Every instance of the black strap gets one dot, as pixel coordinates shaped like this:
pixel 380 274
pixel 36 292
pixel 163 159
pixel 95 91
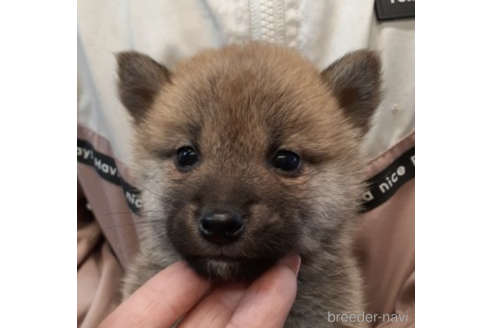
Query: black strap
pixel 381 187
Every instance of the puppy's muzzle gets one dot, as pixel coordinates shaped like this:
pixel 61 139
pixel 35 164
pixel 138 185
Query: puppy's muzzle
pixel 221 227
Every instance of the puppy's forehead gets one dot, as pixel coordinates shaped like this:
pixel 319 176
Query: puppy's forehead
pixel 246 98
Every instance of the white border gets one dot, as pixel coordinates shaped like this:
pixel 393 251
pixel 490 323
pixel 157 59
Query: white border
pixel 37 189
pixel 454 201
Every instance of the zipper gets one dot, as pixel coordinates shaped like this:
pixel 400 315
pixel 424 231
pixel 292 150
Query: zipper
pixel 267 21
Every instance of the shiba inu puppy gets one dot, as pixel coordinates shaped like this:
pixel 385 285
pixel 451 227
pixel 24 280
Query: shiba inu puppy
pixel 245 154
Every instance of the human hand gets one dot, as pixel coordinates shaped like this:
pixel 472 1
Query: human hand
pixel 177 292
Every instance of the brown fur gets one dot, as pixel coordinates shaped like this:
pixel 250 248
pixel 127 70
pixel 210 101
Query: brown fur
pixel 237 106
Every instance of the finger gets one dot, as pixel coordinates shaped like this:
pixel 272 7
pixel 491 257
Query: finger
pixel 269 299
pixel 161 301
pixel 216 309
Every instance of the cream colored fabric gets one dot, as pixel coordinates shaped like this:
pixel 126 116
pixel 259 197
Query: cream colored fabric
pixel 168 30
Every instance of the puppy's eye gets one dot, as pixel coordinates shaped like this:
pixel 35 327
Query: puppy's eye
pixel 186 157
pixel 286 160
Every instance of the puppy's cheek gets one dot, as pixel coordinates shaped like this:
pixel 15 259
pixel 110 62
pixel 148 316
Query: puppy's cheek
pixel 182 231
pixel 271 242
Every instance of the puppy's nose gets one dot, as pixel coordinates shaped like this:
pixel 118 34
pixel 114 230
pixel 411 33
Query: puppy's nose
pixel 221 227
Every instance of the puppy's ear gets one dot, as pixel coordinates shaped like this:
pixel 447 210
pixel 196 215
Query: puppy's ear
pixel 140 79
pixel 355 80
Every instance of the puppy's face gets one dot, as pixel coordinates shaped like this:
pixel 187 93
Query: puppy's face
pixel 247 153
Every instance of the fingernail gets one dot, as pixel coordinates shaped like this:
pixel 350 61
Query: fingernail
pixel 293 262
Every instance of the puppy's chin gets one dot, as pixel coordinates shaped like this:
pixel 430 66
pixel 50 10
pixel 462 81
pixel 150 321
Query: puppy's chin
pixel 221 269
